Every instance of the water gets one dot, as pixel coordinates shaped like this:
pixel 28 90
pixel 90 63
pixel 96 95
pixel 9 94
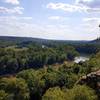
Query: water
pixel 82 58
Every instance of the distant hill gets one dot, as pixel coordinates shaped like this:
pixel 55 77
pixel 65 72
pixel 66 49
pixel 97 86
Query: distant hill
pixel 97 40
pixel 17 39
pixel 80 46
pixel 10 40
pixel 24 41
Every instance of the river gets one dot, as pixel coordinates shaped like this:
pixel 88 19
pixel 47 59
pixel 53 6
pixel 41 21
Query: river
pixel 82 57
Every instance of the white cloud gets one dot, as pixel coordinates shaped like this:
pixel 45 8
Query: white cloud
pixel 84 1
pixel 13 2
pixel 93 5
pixel 62 6
pixel 91 25
pixel 60 19
pixel 92 22
pixel 14 18
pixel 89 3
pixel 12 26
pixel 15 10
pixel 23 26
pixel 92 19
pixel 17 26
pixel 54 17
pixel 67 7
pixel 79 6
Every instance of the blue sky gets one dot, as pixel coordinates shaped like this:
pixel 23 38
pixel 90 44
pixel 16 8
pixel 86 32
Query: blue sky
pixel 50 19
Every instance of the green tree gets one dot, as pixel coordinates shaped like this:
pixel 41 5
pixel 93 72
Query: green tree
pixel 54 94
pixel 5 96
pixel 35 82
pixel 81 93
pixel 15 86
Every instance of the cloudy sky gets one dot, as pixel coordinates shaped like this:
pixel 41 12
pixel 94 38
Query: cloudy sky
pixel 50 19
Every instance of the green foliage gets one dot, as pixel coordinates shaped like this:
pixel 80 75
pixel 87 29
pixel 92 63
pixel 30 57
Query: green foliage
pixel 5 96
pixel 81 93
pixel 56 82
pixel 40 80
pixel 35 82
pixel 88 48
pixel 54 94
pixel 16 87
pixel 14 59
pixel 76 93
pixel 88 66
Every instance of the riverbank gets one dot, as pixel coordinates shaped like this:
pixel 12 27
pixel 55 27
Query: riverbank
pixel 82 57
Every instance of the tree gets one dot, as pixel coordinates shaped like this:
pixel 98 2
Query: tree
pixel 54 94
pixel 16 87
pixel 5 96
pixel 35 82
pixel 81 93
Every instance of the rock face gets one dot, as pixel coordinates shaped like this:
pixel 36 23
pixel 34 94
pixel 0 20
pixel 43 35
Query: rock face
pixel 92 79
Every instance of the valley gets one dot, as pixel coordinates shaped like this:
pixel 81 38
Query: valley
pixel 36 68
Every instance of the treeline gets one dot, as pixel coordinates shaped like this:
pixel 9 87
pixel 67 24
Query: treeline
pixel 89 48
pixel 13 59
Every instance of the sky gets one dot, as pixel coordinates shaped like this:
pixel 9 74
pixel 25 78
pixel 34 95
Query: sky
pixel 50 19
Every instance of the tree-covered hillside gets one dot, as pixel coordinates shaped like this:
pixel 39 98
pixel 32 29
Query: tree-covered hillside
pixel 50 83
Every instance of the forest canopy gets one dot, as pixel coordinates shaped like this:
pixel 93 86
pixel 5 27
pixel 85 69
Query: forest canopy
pixel 47 71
